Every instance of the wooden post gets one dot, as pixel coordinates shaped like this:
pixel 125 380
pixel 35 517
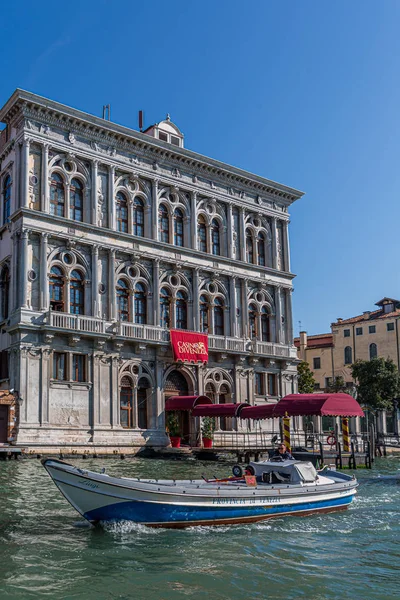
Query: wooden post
pixel 345 433
pixel 321 451
pixel 286 431
pixel 352 457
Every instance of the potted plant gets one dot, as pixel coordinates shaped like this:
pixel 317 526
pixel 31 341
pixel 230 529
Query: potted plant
pixel 173 427
pixel 207 431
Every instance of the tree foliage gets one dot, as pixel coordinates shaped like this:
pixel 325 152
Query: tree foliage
pixel 377 382
pixel 338 385
pixel 306 378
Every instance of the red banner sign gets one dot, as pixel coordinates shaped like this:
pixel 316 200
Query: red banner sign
pixel 188 346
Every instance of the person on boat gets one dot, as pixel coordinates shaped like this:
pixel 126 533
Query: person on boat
pixel 282 452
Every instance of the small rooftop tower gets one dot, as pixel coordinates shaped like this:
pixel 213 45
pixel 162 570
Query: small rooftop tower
pixel 166 131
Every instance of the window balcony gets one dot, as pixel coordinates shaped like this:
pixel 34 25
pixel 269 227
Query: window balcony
pixel 77 323
pixel 151 334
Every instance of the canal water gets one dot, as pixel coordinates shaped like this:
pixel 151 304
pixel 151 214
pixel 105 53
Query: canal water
pixel 47 551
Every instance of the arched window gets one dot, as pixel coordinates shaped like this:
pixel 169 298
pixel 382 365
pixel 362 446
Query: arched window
pixel 218 317
pixel 76 200
pixel 76 293
pixel 143 390
pixel 201 234
pixel 348 355
pixel 249 247
pixel 140 304
pixel 163 223
pixel 165 308
pixel 261 249
pixel 252 321
pixel 210 391
pixel 126 403
pixel 56 291
pixel 181 310
pixel 6 199
pixel 5 292
pixel 373 351
pixel 138 217
pixel 123 301
pixel 57 195
pixel 122 213
pixel 265 331
pixel 204 308
pixel 215 238
pixel 178 227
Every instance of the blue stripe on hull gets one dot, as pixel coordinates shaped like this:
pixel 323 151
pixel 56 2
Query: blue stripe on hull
pixel 147 512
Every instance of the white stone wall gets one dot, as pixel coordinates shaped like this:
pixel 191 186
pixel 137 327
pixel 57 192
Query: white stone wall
pixel 108 161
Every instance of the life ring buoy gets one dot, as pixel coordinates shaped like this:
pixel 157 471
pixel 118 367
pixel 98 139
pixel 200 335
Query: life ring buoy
pixel 331 440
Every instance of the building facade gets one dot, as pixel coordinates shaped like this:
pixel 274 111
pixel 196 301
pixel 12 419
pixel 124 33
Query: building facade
pixel 363 337
pixel 111 237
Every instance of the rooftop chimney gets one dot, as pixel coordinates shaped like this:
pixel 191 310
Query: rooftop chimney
pixel 366 314
pixel 303 344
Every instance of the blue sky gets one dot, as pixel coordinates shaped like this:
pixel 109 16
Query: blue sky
pixel 305 93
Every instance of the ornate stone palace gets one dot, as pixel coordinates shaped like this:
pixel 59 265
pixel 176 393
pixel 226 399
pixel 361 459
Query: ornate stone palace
pixel 110 238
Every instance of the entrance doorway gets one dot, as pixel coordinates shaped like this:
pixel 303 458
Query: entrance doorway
pixel 176 385
pixel 3 424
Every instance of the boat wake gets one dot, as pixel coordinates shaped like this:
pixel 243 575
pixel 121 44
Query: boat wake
pixel 122 527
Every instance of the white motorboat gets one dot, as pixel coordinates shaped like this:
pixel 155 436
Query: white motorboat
pixel 266 489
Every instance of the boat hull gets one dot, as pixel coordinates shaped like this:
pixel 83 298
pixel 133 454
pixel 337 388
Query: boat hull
pixel 169 504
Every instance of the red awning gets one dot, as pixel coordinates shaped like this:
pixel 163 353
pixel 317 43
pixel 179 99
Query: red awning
pixel 185 402
pixel 219 410
pixel 263 411
pixel 336 405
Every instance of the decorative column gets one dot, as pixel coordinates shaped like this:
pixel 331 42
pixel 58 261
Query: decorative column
pixel 154 198
pixel 229 237
pixel 286 249
pixel 14 271
pixel 95 281
pixel 16 179
pixel 278 312
pixel 196 306
pixel 233 308
pixel 156 292
pixel 23 275
pixel 44 287
pixel 115 416
pixel 242 235
pixel 289 317
pixel 111 284
pixel 111 197
pixel 25 173
pixel 193 219
pixel 45 178
pixel 274 233
pixel 245 311
pixel 93 215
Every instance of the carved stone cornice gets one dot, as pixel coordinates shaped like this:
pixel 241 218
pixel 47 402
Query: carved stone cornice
pixel 114 136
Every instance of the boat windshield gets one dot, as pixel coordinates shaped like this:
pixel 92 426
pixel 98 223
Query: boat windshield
pixel 307 471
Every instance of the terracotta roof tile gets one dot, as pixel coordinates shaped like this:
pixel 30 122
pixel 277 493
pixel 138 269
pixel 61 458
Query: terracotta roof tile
pixel 373 316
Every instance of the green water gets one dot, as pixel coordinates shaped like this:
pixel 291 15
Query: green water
pixel 46 551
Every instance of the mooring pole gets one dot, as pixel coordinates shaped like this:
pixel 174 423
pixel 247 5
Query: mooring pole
pixel 346 435
pixel 286 431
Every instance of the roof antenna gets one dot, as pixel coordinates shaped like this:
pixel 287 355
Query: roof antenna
pixel 107 112
pixel 140 120
pixel 299 327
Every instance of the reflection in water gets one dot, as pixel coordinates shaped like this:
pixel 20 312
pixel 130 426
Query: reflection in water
pixel 46 551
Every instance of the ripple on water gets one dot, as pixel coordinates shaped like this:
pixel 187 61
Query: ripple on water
pixel 47 553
